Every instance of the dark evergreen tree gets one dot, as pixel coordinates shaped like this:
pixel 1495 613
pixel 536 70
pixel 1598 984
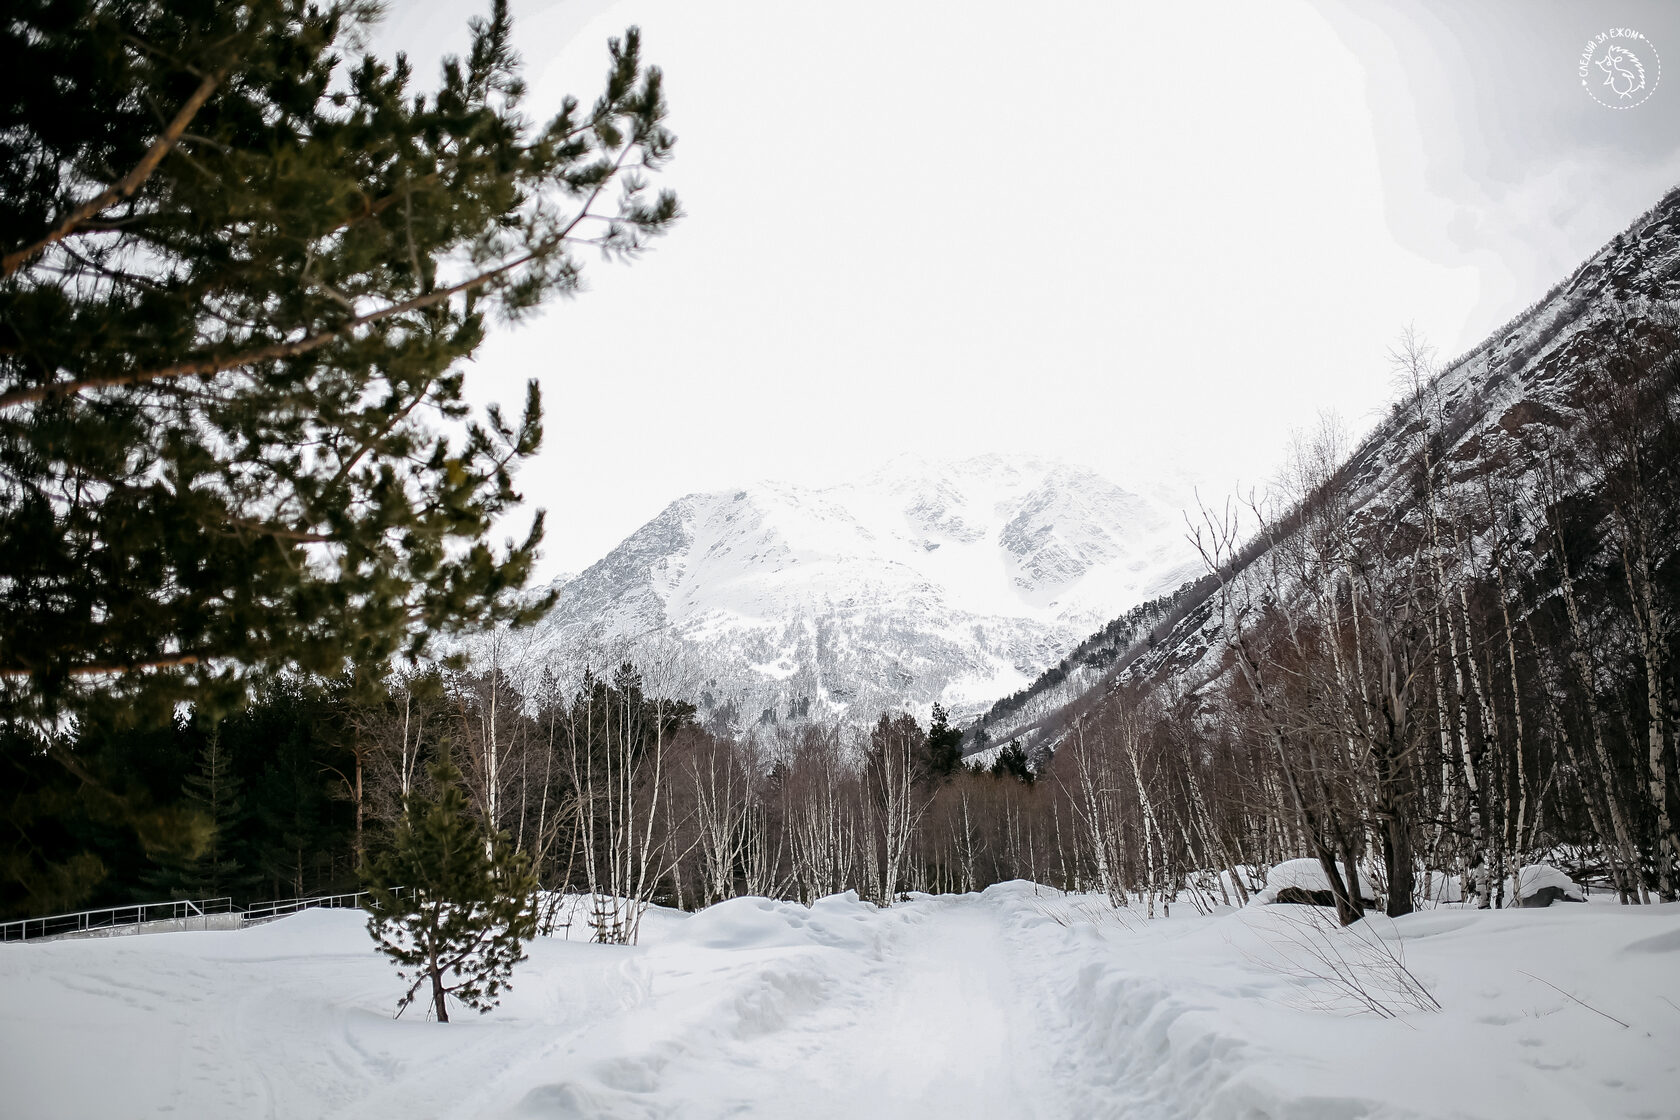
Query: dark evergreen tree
pixel 611 716
pixel 944 744
pixel 213 790
pixel 298 837
pixel 1011 762
pixel 241 272
pixel 89 833
pixel 449 903
pixel 129 820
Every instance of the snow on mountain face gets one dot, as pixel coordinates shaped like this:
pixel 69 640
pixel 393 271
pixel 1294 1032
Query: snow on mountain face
pixel 953 582
pixel 1516 393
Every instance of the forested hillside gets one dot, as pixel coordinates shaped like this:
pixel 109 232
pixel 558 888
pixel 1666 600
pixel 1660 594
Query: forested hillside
pixel 1452 648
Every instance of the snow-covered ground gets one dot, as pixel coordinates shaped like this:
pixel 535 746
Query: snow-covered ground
pixel 1019 1002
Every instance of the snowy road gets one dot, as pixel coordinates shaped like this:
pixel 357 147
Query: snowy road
pixel 1015 1003
pixel 914 1012
pixel 944 1028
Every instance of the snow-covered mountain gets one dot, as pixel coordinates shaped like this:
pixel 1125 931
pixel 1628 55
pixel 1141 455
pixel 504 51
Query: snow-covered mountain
pixel 1501 407
pixel 948 581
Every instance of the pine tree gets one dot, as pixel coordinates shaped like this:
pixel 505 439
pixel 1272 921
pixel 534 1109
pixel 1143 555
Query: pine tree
pixel 1011 762
pixel 213 791
pixel 90 833
pixel 450 904
pixel 944 744
pixel 240 271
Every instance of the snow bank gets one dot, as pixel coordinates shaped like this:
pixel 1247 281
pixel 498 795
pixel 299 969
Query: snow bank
pixel 1233 1017
pixel 1306 875
pixel 1018 1002
pixel 1536 877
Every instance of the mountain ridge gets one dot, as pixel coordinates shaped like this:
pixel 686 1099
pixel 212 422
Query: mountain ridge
pixel 1513 391
pixel 923 581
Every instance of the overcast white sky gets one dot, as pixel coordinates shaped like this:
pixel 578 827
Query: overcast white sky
pixel 1119 233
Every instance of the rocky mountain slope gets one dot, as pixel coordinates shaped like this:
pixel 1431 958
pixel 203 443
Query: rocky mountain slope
pixel 926 581
pixel 1495 411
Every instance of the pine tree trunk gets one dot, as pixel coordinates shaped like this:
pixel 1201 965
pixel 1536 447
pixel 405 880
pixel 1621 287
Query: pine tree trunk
pixel 440 1003
pixel 361 811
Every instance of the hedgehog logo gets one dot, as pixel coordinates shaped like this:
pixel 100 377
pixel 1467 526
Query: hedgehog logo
pixel 1620 68
pixel 1625 74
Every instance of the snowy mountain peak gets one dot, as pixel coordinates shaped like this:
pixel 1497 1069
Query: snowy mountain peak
pixel 948 580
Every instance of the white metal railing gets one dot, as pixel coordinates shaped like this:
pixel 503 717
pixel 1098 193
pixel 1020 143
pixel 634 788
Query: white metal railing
pixel 268 911
pixel 139 914
pixel 112 917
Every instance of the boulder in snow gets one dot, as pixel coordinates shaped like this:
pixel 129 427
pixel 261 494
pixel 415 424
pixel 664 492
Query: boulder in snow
pixel 1302 882
pixel 1541 884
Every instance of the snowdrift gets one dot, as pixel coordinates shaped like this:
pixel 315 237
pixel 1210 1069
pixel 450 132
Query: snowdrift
pixel 1019 1002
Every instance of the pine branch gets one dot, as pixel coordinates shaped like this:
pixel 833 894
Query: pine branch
pixel 376 207
pixel 172 661
pixel 128 184
pixel 212 364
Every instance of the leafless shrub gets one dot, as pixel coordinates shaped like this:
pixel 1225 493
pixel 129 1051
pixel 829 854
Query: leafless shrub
pixel 1070 911
pixel 1354 969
